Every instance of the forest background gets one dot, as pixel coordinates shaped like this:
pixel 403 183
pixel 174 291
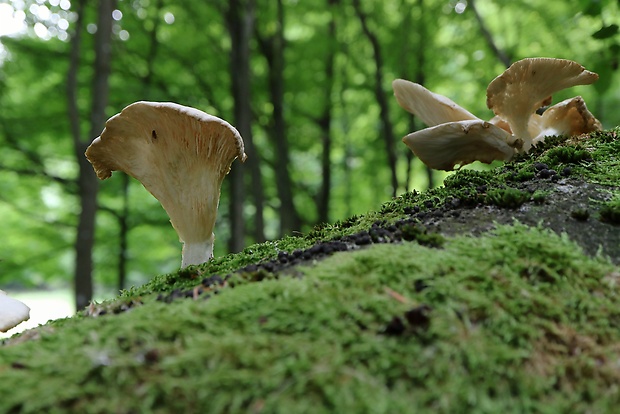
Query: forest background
pixel 307 83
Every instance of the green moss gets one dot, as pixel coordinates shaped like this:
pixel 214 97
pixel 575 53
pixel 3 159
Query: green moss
pixel 539 196
pixel 494 324
pixel 468 179
pixel 610 211
pixel 579 213
pixel 507 197
pixel 418 233
pixel 566 155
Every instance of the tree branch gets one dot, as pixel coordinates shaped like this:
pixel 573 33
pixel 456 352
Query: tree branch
pixel 499 53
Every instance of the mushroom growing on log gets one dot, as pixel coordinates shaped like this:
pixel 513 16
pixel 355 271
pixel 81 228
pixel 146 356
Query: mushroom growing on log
pixel 457 137
pixel 181 156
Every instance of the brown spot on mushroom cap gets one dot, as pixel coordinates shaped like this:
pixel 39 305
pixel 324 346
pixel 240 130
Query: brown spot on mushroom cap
pixel 526 86
pixel 432 108
pixel 443 146
pixel 180 154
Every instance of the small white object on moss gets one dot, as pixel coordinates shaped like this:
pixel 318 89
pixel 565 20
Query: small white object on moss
pixel 12 312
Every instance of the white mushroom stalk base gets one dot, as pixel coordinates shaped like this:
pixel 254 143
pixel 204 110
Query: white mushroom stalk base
pixel 12 312
pixel 197 252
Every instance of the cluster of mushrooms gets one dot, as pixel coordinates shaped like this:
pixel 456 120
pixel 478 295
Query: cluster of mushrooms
pixel 457 137
pixel 181 155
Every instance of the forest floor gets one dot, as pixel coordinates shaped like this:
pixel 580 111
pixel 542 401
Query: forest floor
pixel 495 293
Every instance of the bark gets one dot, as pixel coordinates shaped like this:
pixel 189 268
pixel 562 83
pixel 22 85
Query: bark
pixel 488 37
pixel 87 181
pixel 420 76
pixel 240 17
pixel 386 124
pixel 123 216
pixel 123 232
pixel 325 121
pixel 273 49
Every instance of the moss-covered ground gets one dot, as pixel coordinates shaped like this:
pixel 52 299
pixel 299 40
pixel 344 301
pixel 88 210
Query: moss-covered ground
pixel 469 298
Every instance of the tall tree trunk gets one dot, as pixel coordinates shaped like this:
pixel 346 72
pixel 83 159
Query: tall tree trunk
pixel 123 216
pixel 420 76
pixel 326 119
pixel 240 17
pixel 123 232
pixel 384 113
pixel 273 49
pixel 87 180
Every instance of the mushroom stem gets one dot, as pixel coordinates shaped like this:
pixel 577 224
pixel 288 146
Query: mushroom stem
pixel 197 252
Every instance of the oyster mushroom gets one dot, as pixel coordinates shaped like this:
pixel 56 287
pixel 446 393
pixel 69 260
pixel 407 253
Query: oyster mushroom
pixel 445 145
pixel 527 85
pixel 181 156
pixel 432 108
pixel 569 117
pixel 456 136
pixel 12 312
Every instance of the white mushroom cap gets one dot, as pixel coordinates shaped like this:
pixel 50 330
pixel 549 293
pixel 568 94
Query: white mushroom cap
pixel 12 312
pixel 181 155
pixel 443 146
pixel 526 85
pixel 432 108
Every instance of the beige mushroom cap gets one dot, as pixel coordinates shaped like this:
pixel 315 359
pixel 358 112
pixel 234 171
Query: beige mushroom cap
pixel 443 146
pixel 432 108
pixel 526 85
pixel 181 156
pixel 569 117
pixel 12 312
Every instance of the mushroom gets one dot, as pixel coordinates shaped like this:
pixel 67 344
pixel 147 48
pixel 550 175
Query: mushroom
pixel 569 117
pixel 527 85
pixel 181 156
pixel 456 136
pixel 432 108
pixel 445 145
pixel 12 312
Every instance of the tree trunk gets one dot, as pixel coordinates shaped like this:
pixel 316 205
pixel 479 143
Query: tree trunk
pixel 384 113
pixel 123 233
pixel 123 216
pixel 420 78
pixel 87 180
pixel 326 120
pixel 240 17
pixel 273 49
